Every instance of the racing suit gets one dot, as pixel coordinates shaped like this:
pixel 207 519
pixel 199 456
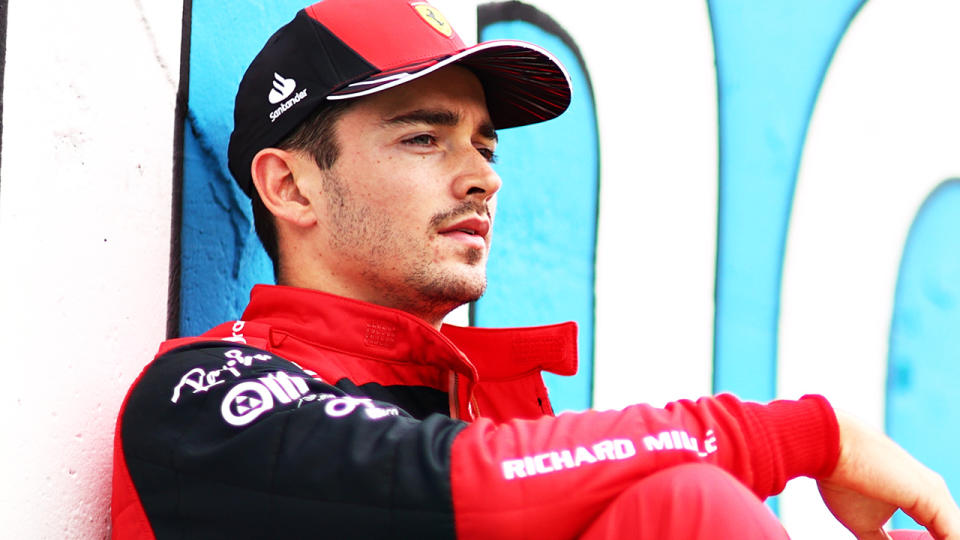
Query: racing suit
pixel 317 415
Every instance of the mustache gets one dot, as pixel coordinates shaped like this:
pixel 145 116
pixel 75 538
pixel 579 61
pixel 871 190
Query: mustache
pixel 465 208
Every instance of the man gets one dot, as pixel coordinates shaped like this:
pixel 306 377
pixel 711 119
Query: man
pixel 341 406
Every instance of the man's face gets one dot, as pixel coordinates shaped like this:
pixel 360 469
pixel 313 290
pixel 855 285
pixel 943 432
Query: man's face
pixel 407 209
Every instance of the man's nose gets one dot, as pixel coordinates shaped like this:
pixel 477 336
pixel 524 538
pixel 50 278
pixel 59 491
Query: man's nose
pixel 476 177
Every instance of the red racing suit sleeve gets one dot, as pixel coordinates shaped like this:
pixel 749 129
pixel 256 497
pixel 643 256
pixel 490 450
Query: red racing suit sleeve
pixel 220 440
pixel 549 478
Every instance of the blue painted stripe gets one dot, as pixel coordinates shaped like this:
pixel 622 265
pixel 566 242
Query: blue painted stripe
pixel 924 358
pixel 771 59
pixel 221 257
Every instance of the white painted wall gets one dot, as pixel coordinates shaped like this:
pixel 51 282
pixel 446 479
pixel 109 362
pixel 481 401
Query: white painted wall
pixel 85 206
pixel 85 198
pixel 656 255
pixel 656 250
pixel 883 136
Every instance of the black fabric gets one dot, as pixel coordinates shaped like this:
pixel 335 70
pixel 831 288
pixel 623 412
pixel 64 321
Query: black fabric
pixel 302 50
pixel 3 59
pixel 180 120
pixel 323 464
pixel 522 87
pixel 418 401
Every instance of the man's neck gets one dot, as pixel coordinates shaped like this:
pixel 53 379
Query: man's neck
pixel 430 313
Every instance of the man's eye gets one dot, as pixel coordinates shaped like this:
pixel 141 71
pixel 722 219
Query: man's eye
pixel 488 155
pixel 421 140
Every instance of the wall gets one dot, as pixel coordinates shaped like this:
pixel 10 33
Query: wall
pixel 747 196
pixel 86 179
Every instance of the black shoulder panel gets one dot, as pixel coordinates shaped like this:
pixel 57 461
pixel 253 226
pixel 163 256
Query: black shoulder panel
pixel 225 440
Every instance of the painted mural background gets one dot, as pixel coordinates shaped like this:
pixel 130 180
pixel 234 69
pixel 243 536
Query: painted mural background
pixel 746 196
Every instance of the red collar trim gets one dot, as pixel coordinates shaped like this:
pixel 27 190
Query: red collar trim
pixel 389 334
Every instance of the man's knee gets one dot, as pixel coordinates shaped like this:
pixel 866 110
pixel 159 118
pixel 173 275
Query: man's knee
pixel 696 479
pixel 691 501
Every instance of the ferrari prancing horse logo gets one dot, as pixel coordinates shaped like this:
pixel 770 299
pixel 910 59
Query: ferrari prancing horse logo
pixel 433 17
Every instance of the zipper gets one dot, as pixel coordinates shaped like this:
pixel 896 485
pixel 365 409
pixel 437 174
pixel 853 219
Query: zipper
pixel 473 408
pixel 453 394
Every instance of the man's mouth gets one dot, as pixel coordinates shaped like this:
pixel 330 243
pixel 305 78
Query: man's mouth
pixel 474 226
pixel 471 231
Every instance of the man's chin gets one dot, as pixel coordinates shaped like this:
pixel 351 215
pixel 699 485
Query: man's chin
pixel 469 291
pixel 435 300
pixel 457 289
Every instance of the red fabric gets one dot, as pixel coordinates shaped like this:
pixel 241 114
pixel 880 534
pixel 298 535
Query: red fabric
pixel 687 502
pixel 511 360
pixel 694 502
pixel 515 471
pixel 497 372
pixel 378 30
pixel 561 501
pixel 793 444
pixel 341 338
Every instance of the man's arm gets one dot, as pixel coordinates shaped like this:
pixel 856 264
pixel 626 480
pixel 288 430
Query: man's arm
pixel 874 477
pixel 219 438
pixel 547 468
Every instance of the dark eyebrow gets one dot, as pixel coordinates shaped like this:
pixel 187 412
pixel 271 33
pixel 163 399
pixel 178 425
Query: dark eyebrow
pixel 438 117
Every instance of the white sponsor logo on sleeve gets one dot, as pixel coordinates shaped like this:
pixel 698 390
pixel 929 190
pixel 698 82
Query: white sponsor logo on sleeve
pixel 548 462
pixel 237 333
pixel 201 380
pixel 246 401
pixel 676 439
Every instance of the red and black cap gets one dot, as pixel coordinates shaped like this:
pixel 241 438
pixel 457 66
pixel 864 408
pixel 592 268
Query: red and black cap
pixel 344 49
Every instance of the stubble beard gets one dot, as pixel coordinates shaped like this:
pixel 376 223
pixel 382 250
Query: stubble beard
pixel 376 246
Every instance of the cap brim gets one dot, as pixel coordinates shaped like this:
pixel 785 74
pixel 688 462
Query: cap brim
pixel 524 84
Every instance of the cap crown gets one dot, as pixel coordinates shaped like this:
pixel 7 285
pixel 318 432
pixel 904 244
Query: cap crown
pixel 344 49
pixel 389 33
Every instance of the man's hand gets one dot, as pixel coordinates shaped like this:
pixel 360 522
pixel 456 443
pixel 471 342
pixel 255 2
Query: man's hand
pixel 874 477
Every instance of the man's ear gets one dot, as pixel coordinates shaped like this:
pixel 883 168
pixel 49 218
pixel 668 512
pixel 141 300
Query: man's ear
pixel 273 178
